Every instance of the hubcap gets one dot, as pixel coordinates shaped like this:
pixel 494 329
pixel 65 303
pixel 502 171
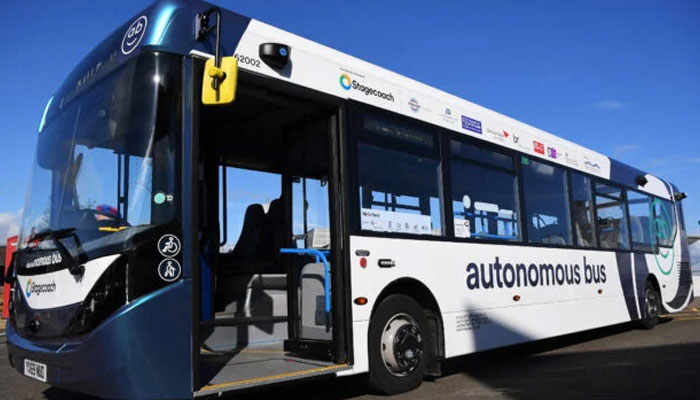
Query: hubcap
pixel 402 345
pixel 650 302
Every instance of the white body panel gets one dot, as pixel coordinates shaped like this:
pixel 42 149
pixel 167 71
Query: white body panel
pixel 61 288
pixel 478 319
pixel 321 68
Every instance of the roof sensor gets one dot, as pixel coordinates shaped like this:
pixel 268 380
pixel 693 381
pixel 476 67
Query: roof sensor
pixel 276 55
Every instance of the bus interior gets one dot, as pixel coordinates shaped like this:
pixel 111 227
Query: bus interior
pixel 267 315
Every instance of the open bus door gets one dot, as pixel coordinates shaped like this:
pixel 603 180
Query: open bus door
pixel 272 274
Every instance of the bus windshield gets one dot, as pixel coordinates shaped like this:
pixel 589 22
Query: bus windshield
pixel 105 165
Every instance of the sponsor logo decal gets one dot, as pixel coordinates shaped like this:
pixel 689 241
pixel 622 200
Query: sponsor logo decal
pixel 570 159
pixel 134 34
pixel 591 165
pixel 51 259
pixel 414 105
pixel 448 118
pixel 497 134
pixel 471 124
pixel 498 275
pixel 552 152
pixel 506 134
pixel 345 82
pixel 39 288
pixel 348 83
pixel 538 147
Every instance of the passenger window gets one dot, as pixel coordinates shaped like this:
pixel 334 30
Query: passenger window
pixel 582 209
pixel 310 219
pixel 612 222
pixel 664 222
pixel 546 203
pixel 640 212
pixel 484 194
pixel 399 191
pixel 251 198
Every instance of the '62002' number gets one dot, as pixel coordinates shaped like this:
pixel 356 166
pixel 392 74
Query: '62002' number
pixel 247 60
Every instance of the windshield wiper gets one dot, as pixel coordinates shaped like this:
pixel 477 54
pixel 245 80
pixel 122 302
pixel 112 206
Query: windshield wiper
pixel 54 234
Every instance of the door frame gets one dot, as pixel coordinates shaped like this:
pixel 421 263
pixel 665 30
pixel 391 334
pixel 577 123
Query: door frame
pixel 338 201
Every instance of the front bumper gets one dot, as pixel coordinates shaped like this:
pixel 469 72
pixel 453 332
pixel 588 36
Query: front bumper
pixel 142 351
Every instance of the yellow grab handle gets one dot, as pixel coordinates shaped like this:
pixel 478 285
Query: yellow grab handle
pixel 215 72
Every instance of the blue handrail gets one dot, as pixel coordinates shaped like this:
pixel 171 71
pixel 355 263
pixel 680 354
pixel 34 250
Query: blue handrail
pixel 320 255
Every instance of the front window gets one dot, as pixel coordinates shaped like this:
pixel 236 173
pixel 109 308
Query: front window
pixel 106 161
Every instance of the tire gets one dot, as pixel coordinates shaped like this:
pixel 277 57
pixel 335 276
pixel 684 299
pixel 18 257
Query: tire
pixel 652 307
pixel 399 347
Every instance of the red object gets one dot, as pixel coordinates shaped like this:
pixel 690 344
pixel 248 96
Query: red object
pixel 539 147
pixel 363 262
pixel 11 247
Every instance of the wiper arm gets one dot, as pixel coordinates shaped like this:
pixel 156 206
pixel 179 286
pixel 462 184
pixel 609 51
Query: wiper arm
pixel 55 234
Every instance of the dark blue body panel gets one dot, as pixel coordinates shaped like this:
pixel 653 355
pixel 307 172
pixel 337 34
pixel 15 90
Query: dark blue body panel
pixel 140 352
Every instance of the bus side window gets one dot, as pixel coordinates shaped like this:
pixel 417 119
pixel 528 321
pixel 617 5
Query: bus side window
pixel 398 175
pixel 612 222
pixel 640 220
pixel 582 208
pixel 398 192
pixel 546 203
pixel 484 193
pixel 664 222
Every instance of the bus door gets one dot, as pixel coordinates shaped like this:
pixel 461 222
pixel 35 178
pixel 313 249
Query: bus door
pixel 268 268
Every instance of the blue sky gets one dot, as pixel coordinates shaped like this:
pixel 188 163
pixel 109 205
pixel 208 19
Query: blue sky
pixel 622 78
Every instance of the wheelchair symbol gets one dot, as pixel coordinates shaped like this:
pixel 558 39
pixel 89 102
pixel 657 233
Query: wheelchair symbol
pixel 169 245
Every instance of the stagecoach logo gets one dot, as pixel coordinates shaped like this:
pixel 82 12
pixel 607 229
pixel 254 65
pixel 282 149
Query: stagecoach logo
pixel 39 288
pixel 661 228
pixel 345 81
pixel 169 270
pixel 348 83
pixel 43 261
pixel 169 245
pixel 134 34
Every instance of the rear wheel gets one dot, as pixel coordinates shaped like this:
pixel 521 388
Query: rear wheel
pixel 652 306
pixel 398 345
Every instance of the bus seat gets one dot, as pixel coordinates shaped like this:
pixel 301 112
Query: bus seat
pixel 251 242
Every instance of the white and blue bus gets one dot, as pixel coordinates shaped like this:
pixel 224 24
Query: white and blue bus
pixel 218 204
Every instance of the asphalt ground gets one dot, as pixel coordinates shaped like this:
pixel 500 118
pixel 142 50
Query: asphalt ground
pixel 619 362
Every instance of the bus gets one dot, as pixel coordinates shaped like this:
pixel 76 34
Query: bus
pixel 217 204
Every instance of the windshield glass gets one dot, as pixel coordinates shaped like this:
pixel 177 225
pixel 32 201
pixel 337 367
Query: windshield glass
pixel 105 165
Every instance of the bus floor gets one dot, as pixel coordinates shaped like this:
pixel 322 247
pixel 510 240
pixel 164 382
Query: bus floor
pixel 256 365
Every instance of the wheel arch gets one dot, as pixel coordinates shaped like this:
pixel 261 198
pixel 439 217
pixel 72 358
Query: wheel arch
pixel 424 297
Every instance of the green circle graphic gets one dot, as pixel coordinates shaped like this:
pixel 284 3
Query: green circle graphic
pixel 661 229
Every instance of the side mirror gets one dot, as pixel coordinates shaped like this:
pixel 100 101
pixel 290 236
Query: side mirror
pixel 219 84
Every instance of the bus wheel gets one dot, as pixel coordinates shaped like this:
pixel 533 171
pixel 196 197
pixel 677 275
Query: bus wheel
pixel 652 307
pixel 398 348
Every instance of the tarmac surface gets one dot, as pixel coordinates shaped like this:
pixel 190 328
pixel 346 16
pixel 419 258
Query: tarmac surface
pixel 618 362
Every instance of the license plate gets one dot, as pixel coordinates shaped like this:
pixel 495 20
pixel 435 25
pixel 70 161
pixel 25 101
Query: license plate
pixel 35 370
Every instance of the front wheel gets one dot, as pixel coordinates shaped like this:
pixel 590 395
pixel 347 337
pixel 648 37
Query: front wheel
pixel 652 307
pixel 398 345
